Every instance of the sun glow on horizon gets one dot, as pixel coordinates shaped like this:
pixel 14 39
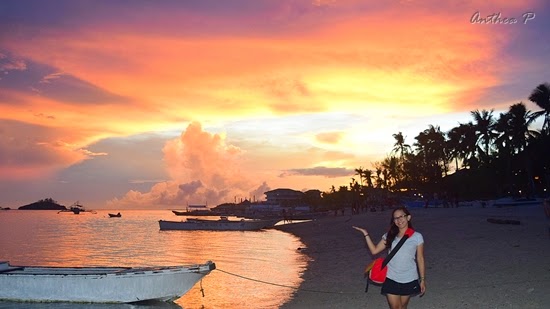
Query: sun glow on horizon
pixel 304 91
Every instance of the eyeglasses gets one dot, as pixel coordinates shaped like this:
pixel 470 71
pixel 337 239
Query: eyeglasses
pixel 399 218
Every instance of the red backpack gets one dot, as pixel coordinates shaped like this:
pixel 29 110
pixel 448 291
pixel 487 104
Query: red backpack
pixel 376 271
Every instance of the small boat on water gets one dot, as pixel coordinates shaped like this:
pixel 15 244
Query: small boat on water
pixel 98 284
pixel 117 215
pixel 195 210
pixel 76 208
pixel 195 213
pixel 223 224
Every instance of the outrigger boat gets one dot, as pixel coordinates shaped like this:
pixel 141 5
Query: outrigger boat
pixel 98 284
pixel 223 224
pixel 195 210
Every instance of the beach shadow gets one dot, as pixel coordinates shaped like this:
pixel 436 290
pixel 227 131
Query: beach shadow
pixel 58 305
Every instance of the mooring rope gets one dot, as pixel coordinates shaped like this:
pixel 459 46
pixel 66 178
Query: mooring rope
pixel 202 290
pixel 283 285
pixel 355 293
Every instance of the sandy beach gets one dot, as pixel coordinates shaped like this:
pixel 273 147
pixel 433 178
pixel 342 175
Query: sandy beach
pixel 470 263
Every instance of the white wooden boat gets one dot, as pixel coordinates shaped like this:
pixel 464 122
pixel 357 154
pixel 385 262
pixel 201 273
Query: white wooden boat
pixel 223 224
pixel 98 284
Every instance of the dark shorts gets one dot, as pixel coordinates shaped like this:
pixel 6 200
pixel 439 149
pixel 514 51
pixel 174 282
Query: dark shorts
pixel 396 288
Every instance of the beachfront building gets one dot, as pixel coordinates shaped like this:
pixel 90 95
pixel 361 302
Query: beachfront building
pixel 277 202
pixel 284 197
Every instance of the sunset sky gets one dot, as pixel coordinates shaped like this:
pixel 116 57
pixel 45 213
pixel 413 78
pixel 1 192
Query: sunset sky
pixel 160 104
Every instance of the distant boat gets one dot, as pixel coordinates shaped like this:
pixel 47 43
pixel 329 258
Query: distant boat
pixel 195 210
pixel 76 208
pixel 117 215
pixel 223 224
pixel 195 213
pixel 98 284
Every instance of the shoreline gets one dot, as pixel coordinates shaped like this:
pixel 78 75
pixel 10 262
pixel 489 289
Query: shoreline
pixel 470 262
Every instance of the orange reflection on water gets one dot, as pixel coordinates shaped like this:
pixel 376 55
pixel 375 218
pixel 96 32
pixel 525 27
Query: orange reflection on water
pixel 254 267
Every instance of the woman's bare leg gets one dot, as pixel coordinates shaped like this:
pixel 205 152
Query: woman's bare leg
pixel 394 301
pixel 398 301
pixel 405 301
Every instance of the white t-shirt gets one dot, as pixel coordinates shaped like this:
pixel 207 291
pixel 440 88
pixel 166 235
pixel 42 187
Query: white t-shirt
pixel 402 267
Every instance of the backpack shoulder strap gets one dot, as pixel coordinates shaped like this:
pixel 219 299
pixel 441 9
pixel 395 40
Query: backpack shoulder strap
pixel 408 233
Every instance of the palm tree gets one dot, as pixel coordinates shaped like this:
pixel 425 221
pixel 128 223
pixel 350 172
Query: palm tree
pixel 462 143
pixel 515 137
pixel 414 171
pixel 484 124
pixel 354 186
pixel 367 175
pixel 519 122
pixel 430 145
pixel 541 97
pixel 403 149
pixel 400 145
pixel 392 169
pixel 453 145
pixel 379 180
pixel 360 171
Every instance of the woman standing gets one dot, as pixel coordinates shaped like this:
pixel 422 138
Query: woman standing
pixel 406 270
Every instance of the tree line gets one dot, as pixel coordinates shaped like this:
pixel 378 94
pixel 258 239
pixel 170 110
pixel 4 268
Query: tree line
pixel 487 157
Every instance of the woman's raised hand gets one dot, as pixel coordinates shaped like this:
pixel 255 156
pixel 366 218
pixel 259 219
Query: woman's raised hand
pixel 362 230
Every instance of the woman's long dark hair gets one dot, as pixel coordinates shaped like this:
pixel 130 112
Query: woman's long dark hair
pixel 394 230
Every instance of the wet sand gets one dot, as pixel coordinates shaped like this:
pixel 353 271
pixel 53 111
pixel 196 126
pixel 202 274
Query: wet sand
pixel 470 262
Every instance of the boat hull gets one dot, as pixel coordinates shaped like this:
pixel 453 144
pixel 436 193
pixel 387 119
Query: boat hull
pixel 217 225
pixel 195 213
pixel 99 284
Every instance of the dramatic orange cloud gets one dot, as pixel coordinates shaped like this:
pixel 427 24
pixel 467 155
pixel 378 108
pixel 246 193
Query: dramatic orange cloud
pixel 202 168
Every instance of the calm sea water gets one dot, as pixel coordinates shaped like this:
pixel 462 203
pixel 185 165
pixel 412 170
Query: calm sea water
pixel 266 259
